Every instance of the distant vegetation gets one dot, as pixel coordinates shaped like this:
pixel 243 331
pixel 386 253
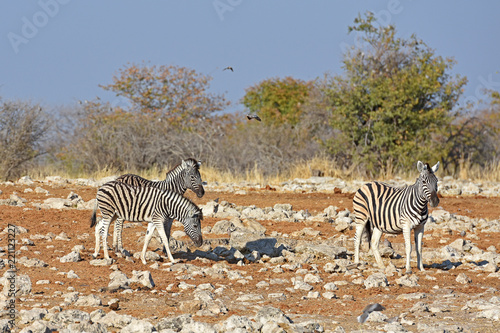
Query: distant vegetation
pixel 395 102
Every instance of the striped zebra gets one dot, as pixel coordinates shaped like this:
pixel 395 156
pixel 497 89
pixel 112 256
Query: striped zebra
pixel 380 208
pixel 183 176
pixel 144 204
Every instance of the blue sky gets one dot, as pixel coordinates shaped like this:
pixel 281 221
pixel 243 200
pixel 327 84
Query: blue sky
pixel 57 52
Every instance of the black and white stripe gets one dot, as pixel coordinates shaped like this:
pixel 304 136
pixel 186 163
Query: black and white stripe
pixel 182 177
pixel 381 208
pixel 179 179
pixel 144 204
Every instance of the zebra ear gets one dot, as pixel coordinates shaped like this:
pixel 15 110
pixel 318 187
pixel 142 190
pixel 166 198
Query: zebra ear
pixel 420 166
pixel 183 164
pixel 199 164
pixel 435 167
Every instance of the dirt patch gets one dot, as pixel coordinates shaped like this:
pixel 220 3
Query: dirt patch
pixel 159 302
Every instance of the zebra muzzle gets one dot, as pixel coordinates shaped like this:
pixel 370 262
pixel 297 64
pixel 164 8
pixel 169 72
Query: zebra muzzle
pixel 434 201
pixel 198 241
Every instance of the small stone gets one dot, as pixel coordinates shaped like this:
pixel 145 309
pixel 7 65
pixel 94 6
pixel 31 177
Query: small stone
pixel 329 295
pixel 463 279
pixel 376 280
pixel 101 262
pixel 330 286
pixel 114 306
pixel 408 280
pixel 42 282
pixel 71 257
pixel 277 296
pixel 72 275
pixel 313 295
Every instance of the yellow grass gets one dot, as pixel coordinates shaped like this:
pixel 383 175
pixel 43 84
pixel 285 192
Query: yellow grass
pixel 490 172
pixel 304 169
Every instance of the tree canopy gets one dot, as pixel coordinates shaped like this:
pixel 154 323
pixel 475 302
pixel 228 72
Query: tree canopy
pixel 277 100
pixel 394 99
pixel 178 94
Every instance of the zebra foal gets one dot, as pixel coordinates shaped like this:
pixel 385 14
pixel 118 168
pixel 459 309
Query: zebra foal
pixel 144 204
pixel 179 179
pixel 380 208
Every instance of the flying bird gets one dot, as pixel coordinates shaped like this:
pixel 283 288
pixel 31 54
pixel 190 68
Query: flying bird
pixel 369 309
pixel 253 116
pixel 230 68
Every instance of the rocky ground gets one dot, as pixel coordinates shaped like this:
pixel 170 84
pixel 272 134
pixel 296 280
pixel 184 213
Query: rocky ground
pixel 275 259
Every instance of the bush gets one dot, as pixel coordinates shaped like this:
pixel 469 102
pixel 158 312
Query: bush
pixel 394 103
pixel 24 127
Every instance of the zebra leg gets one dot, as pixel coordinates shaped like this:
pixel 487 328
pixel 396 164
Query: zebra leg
pixel 105 236
pixel 167 224
pixel 357 240
pixel 98 229
pixel 117 236
pixel 115 233
pixel 419 234
pixel 160 225
pixel 407 237
pixel 147 239
pixel 376 235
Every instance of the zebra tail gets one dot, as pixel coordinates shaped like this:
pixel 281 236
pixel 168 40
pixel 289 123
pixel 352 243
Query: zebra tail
pixel 93 217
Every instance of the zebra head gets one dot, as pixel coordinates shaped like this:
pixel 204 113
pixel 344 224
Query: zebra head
pixel 192 226
pixel 429 182
pixel 192 176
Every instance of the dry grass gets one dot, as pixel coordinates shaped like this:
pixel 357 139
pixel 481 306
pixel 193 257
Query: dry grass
pixel 490 172
pixel 304 169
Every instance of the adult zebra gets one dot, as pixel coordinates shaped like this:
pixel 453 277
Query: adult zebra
pixel 185 175
pixel 380 208
pixel 118 200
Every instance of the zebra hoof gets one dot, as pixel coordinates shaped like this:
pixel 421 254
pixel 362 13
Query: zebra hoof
pixel 125 253
pixel 408 272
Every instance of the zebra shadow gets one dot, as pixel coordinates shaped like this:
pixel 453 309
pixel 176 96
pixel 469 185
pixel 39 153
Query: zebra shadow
pixel 221 249
pixel 448 264
pixel 251 251
pixel 445 265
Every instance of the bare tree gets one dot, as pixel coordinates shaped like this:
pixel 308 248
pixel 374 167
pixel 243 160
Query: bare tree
pixel 23 129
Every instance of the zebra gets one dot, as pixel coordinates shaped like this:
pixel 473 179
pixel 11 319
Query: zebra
pixel 144 204
pixel 185 175
pixel 380 208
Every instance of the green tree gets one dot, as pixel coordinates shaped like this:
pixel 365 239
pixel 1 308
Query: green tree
pixel 178 94
pixel 276 100
pixel 394 101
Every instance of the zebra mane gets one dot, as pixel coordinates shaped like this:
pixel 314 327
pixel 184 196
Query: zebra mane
pixel 178 167
pixel 193 162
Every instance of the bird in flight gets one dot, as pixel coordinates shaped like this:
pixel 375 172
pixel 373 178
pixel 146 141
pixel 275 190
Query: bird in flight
pixel 253 116
pixel 369 309
pixel 230 68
